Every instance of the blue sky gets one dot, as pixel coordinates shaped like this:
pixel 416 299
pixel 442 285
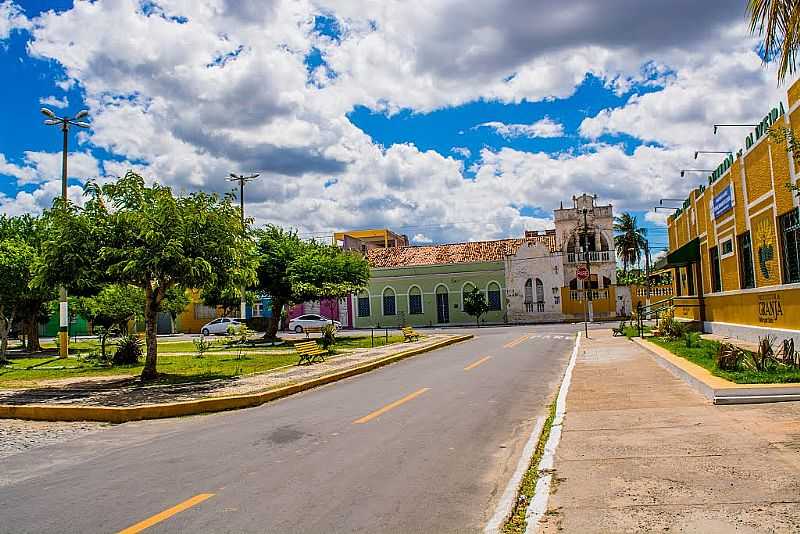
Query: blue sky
pixel 448 129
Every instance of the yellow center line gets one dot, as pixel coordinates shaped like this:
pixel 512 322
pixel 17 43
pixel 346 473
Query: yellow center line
pixel 395 404
pixel 514 343
pixel 476 364
pixel 166 514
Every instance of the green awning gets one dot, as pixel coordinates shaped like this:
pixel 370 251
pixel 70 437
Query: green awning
pixel 688 253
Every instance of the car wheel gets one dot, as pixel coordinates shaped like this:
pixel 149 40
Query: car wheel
pixel 298 329
pixel 205 332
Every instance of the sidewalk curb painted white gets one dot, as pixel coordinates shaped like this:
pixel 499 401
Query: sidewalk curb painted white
pixel 541 495
pixel 506 503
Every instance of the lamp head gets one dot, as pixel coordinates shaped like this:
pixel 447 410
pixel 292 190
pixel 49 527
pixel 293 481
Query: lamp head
pixel 48 113
pixel 695 154
pixel 51 122
pixel 715 129
pixel 683 173
pixel 82 124
pixel 82 113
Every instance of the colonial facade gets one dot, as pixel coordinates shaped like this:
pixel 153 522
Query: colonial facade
pixel 527 279
pixel 735 242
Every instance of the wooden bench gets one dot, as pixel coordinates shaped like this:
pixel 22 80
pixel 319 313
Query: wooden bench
pixel 619 331
pixel 409 334
pixel 310 352
pixel 312 330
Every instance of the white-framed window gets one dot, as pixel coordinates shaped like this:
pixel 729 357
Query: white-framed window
pixel 726 248
pixel 414 301
pixel 493 296
pixel 363 306
pixel 258 310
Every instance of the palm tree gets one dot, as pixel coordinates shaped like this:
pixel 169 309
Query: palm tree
pixel 630 240
pixel 778 22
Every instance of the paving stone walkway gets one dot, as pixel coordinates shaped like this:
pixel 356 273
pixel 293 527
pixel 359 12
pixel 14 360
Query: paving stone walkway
pixel 643 452
pixel 128 391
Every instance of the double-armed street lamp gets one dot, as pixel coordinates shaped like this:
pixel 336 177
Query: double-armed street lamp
pixel 242 179
pixel 64 122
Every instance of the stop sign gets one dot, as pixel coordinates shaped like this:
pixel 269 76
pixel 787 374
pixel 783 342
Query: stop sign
pixel 582 273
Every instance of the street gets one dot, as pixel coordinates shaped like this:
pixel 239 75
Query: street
pixel 425 445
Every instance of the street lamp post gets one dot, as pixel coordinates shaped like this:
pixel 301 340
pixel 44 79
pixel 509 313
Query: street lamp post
pixel 64 123
pixel 684 171
pixel 242 179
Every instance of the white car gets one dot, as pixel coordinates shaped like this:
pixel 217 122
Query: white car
pixel 310 320
pixel 219 326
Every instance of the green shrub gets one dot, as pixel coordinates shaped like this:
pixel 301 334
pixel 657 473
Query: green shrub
pixel 692 339
pixel 201 346
pixel 129 350
pixel 328 336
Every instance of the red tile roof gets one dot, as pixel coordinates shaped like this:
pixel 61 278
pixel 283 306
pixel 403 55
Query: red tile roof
pixel 472 252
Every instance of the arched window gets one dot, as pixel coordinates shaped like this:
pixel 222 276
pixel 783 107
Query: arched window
pixel 493 296
pixel 529 295
pixel 414 300
pixel 539 296
pixel 442 304
pixel 389 302
pixel 363 305
pixel 603 242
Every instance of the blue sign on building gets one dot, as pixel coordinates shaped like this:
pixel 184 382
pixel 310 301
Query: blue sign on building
pixel 723 201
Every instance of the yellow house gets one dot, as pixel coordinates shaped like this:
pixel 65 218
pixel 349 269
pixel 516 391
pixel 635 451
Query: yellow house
pixel 734 245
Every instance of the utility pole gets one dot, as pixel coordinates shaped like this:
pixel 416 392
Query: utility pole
pixel 242 179
pixel 63 306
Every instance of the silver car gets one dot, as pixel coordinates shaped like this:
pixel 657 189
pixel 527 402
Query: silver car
pixel 219 326
pixel 310 320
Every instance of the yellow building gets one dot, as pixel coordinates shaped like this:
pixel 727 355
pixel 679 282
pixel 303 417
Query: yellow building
pixel 734 246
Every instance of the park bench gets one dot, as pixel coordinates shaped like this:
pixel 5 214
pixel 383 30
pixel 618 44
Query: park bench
pixel 312 330
pixel 309 352
pixel 619 331
pixel 409 334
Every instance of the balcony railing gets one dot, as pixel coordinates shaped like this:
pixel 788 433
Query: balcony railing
pixel 596 257
pixel 655 291
pixel 580 294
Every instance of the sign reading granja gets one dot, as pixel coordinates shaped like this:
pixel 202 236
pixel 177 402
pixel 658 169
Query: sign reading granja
pixel 769 308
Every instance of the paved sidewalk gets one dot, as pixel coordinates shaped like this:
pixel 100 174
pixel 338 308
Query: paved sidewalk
pixel 130 391
pixel 643 452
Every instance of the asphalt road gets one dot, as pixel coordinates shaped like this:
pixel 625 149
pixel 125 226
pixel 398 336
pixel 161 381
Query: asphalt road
pixel 424 445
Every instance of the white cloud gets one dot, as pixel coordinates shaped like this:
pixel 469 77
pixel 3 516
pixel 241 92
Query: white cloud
pixel 421 238
pixel 55 102
pixel 545 127
pixel 461 151
pixel 228 90
pixel 11 18
pixel 659 218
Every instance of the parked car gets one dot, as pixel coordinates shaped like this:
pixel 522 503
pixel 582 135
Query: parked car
pixel 220 326
pixel 298 324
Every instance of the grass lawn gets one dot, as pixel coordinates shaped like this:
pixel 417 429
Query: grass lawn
pixel 175 367
pixel 704 355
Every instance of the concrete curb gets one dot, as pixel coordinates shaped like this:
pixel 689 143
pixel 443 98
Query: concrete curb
pixel 45 412
pixel 716 389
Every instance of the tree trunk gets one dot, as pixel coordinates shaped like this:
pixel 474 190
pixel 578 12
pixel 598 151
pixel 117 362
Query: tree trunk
pixel 272 329
pixel 151 305
pixel 33 336
pixel 5 330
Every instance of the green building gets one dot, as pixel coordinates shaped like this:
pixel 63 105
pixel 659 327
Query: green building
pixel 424 286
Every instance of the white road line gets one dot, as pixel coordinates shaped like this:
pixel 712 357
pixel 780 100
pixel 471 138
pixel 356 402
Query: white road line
pixel 541 495
pixel 506 503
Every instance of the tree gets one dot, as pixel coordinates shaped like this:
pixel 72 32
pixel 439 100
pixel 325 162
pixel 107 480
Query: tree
pixel 16 263
pixel 31 308
pixel 146 237
pixel 778 23
pixel 475 304
pixel 111 310
pixel 291 270
pixel 630 240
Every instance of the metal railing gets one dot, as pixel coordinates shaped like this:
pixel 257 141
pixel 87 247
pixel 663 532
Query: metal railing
pixel 655 291
pixel 598 256
pixel 580 294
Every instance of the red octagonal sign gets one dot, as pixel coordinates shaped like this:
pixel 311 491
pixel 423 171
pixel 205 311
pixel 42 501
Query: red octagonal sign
pixel 582 273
